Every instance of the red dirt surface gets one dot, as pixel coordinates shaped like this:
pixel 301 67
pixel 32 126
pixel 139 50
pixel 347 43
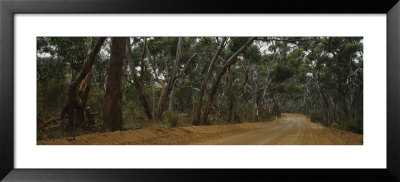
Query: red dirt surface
pixel 290 129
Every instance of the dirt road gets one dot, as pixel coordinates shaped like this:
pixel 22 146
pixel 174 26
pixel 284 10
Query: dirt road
pixel 294 129
pixel 290 129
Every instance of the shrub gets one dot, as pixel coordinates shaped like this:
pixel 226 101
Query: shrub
pixel 317 115
pixel 354 125
pixel 171 118
pixel 132 116
pixel 56 132
pixel 220 121
pixel 335 125
pixel 51 96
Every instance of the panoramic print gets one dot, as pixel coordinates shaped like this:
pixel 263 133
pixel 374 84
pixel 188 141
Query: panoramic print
pixel 199 90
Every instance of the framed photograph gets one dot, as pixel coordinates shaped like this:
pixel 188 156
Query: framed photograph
pixel 134 90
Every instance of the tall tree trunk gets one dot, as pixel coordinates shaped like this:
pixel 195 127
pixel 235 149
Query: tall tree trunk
pixel 324 99
pixel 176 84
pixel 113 97
pixel 229 62
pixel 255 111
pixel 254 87
pixel 142 65
pixel 73 100
pixel 153 92
pixel 83 96
pixel 138 82
pixel 230 96
pixel 162 95
pixel 193 103
pixel 171 81
pixel 171 98
pixel 196 120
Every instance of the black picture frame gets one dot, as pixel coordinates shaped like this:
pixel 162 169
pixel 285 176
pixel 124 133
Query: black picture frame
pixel 9 8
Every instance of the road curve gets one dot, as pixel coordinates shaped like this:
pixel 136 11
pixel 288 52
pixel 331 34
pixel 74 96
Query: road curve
pixel 291 129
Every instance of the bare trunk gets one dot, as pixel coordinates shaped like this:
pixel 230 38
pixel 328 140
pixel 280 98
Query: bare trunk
pixel 255 96
pixel 193 104
pixel 153 92
pixel 73 99
pixel 142 65
pixel 230 96
pixel 83 95
pixel 196 119
pixel 138 82
pixel 172 78
pixel 324 99
pixel 254 108
pixel 113 97
pixel 229 62
pixel 171 98
pixel 160 101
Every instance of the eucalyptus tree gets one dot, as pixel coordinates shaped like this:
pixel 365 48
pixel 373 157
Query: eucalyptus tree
pixel 165 56
pixel 208 78
pixel 77 99
pixel 112 113
pixel 196 120
pixel 139 79
pixel 250 64
pixel 232 60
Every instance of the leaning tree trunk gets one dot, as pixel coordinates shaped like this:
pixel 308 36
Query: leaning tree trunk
pixel 171 81
pixel 84 90
pixel 324 99
pixel 73 98
pixel 171 98
pixel 229 62
pixel 113 97
pixel 196 120
pixel 255 105
pixel 153 93
pixel 254 88
pixel 138 81
pixel 230 96
pixel 162 95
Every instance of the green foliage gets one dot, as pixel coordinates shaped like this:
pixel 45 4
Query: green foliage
pixel 354 125
pixel 235 43
pixel 71 50
pixel 51 96
pixel 183 98
pixel 49 68
pixel 317 115
pixel 136 55
pixel 57 132
pixel 132 112
pixel 335 125
pixel 96 102
pixel 312 75
pixel 252 54
pixel 283 72
pixel 130 93
pixel 133 116
pixel 353 47
pixel 171 118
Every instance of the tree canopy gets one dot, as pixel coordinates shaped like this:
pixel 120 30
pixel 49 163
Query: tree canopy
pixel 181 81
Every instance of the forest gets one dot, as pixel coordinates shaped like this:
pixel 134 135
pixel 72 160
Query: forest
pixel 89 85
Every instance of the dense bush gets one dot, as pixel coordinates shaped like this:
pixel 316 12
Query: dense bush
pixel 171 118
pixel 95 101
pixel 52 96
pixel 335 125
pixel 132 115
pixel 354 125
pixel 317 115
